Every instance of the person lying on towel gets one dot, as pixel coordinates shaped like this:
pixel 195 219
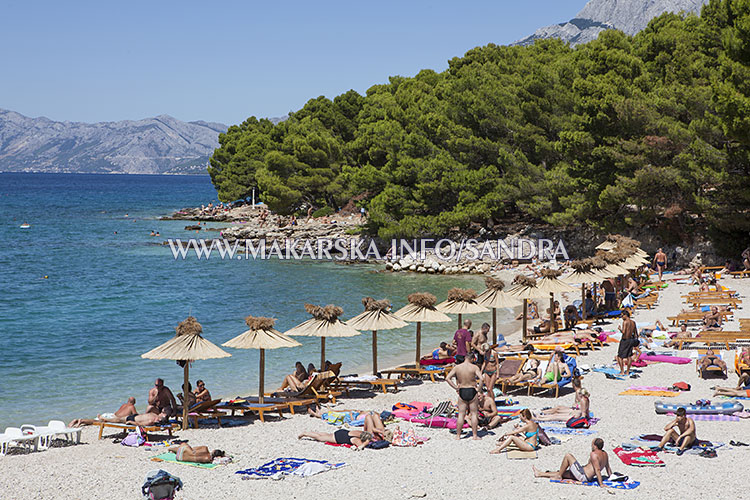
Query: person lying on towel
pixel 199 454
pixel 570 468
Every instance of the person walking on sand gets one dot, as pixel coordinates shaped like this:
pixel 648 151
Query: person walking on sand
pixel 628 342
pixel 660 262
pixel 570 468
pixel 680 431
pixel 468 380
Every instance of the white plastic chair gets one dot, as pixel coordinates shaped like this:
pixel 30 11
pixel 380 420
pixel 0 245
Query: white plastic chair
pixel 16 435
pixel 58 428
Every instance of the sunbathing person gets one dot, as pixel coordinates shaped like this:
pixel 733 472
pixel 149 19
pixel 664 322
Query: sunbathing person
pixel 160 398
pixel 565 413
pixel 190 399
pixel 712 320
pixel 358 439
pixel 442 352
pixel 570 468
pixel 682 334
pixel 295 381
pixel 201 393
pixel 741 391
pixel 571 317
pixel 680 431
pixel 145 419
pixel 199 454
pixel 557 369
pixel 531 372
pixel 525 437
pixel 711 359
pixel 532 311
pixel 488 409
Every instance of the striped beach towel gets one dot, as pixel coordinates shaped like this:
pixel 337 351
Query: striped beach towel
pixel 713 417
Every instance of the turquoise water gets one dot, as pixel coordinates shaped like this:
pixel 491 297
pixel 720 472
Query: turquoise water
pixel 70 344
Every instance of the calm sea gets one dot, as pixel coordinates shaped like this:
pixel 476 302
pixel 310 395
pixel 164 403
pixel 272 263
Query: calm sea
pixel 70 344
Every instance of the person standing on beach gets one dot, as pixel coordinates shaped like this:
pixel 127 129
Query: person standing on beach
pixel 628 342
pixel 468 385
pixel 463 338
pixel 610 297
pixel 660 262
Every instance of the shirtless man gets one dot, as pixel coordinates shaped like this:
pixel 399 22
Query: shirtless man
pixel 712 320
pixel 160 398
pixel 682 334
pixel 125 410
pixel 660 262
pixel 570 468
pixel 681 430
pixel 468 380
pixel 489 410
pixel 610 297
pixel 741 391
pixel 627 343
pixel 145 419
pixel 711 359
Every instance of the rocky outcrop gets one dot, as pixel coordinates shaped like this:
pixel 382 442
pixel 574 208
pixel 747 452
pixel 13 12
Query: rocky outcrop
pixel 628 16
pixel 156 145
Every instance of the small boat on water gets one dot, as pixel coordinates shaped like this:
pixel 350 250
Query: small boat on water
pixel 25 225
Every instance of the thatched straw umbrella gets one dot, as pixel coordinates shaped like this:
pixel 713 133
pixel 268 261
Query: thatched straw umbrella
pixel 325 322
pixel 495 298
pixel 461 301
pixel 421 309
pixel 261 335
pixel 186 346
pixel 583 273
pixel 524 288
pixel 376 317
pixel 552 285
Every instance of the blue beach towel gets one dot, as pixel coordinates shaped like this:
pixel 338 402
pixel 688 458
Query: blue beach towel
pixel 285 466
pixel 568 431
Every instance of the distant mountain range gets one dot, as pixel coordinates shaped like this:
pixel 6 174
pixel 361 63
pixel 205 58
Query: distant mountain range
pixel 158 145
pixel 629 16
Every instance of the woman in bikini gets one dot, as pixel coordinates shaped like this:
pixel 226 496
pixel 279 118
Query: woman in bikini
pixel 489 368
pixel 565 413
pixel 295 381
pixel 525 437
pixel 199 454
pixel 532 371
pixel 356 439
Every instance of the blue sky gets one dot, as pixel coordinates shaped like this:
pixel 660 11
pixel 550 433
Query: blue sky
pixel 225 61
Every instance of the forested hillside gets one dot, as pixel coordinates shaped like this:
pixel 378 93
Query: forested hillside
pixel 650 130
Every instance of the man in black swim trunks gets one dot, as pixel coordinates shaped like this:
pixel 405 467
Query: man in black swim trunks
pixel 467 384
pixel 628 342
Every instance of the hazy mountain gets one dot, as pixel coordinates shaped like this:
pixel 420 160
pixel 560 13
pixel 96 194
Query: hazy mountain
pixel 629 16
pixel 154 145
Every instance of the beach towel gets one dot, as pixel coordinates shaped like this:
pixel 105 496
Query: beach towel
pixel 280 467
pixel 661 358
pixel 713 417
pixel 171 458
pixel 567 431
pixel 521 455
pixel 631 392
pixel 611 484
pixel 640 457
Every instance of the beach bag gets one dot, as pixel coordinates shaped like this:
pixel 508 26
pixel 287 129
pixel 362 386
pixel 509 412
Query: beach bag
pixel 681 386
pixel 134 439
pixel 161 485
pixel 544 439
pixel 401 438
pixel 378 445
pixel 577 423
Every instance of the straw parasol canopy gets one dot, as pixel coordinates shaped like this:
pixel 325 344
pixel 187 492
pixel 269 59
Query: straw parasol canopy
pixel 261 335
pixel 461 301
pixel 325 323
pixel 377 316
pixel 524 288
pixel 186 346
pixel 495 298
pixel 551 284
pixel 421 309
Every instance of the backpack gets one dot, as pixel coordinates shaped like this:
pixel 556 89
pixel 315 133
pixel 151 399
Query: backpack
pixel 577 423
pixel 161 485
pixel 134 438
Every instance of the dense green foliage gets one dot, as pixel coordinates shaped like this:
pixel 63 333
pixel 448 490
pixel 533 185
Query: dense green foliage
pixel 651 130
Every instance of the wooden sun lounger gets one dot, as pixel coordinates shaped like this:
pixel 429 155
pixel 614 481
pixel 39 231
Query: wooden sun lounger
pixel 510 367
pixel 131 427
pixel 718 301
pixel 725 338
pixel 411 370
pixel 740 274
pixel 204 410
pixel 692 316
pixel 383 383
pixel 710 370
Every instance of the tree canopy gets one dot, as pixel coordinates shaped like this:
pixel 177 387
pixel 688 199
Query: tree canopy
pixel 651 130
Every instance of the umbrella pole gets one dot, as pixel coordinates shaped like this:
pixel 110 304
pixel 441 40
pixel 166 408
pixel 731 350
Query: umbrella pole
pixel 374 352
pixel 262 374
pixel 583 301
pixel 185 383
pixel 525 319
pixel 419 343
pixel 322 353
pixel 552 316
pixel 494 326
pixel 459 320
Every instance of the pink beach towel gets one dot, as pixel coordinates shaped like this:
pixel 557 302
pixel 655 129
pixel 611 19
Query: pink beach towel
pixel 664 359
